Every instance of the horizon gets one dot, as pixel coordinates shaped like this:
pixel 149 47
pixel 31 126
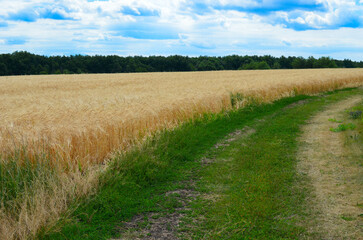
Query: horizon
pixel 318 28
pixel 189 56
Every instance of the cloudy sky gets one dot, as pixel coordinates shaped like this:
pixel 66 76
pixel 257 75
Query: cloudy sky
pixel 202 27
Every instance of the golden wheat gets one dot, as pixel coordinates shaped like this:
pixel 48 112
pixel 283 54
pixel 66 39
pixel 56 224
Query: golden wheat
pixel 83 118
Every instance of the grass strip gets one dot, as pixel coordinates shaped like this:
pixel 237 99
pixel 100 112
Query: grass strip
pixel 252 190
pixel 136 181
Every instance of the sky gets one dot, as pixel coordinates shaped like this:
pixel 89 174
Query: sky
pixel 210 28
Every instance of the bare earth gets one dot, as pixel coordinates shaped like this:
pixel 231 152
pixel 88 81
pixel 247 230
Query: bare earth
pixel 336 201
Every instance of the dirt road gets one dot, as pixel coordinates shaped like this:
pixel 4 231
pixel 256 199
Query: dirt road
pixel 334 170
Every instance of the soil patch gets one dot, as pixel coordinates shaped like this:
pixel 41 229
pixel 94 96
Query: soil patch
pixel 158 225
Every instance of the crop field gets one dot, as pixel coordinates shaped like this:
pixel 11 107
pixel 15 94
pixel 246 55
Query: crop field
pixel 83 118
pixel 57 132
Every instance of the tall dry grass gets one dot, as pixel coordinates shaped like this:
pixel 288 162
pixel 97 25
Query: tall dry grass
pixel 39 207
pixel 73 122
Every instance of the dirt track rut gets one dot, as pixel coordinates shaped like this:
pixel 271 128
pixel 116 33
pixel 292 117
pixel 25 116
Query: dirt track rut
pixel 336 191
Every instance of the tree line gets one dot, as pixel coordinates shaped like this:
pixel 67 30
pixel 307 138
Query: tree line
pixel 25 63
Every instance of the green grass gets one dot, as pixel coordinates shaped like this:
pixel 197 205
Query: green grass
pixel 334 120
pixel 259 193
pixel 344 127
pixel 347 218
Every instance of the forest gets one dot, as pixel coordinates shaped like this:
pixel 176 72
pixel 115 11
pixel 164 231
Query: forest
pixel 25 63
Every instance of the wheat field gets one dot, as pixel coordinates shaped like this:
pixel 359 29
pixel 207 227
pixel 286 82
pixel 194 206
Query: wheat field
pixel 77 122
pixel 84 118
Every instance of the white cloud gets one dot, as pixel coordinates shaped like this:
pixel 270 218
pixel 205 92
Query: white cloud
pixel 102 27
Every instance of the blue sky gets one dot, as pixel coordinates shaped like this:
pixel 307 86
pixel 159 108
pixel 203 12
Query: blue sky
pixel 202 27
